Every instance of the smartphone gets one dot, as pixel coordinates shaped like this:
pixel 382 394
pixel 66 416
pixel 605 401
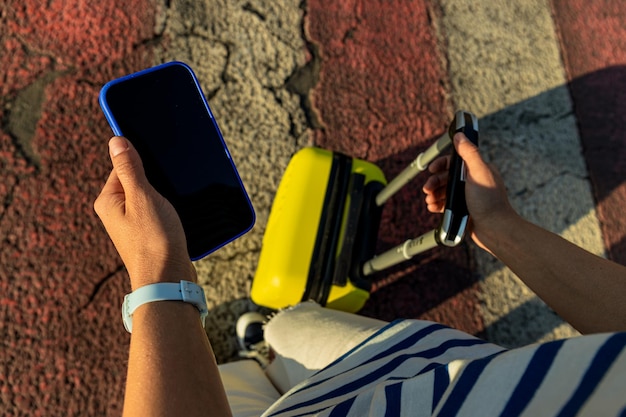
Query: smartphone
pixel 164 114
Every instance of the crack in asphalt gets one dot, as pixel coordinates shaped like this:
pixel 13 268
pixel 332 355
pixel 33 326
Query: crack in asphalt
pixel 305 78
pixel 249 8
pixel 8 199
pixel 98 286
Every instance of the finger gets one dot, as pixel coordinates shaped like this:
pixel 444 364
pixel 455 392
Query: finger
pixel 435 182
pixel 438 201
pixel 438 195
pixel 468 152
pixel 436 207
pixel 436 198
pixel 439 164
pixel 111 199
pixel 127 164
pixel 112 184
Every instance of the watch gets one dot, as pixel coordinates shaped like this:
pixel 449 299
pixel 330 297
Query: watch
pixel 184 291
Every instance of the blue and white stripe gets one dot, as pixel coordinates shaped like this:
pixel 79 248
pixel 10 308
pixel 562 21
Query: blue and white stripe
pixel 417 368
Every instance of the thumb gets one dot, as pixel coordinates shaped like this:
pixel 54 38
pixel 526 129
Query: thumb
pixel 468 152
pixel 126 163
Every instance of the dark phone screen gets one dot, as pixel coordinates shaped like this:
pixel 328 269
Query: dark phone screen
pixel 162 112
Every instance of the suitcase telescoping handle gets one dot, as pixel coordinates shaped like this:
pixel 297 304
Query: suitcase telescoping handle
pixel 455 216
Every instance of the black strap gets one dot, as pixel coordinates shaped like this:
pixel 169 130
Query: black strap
pixel 344 260
pixel 323 258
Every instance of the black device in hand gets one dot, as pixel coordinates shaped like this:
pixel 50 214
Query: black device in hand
pixel 165 115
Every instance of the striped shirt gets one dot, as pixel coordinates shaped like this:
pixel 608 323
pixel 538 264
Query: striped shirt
pixel 417 368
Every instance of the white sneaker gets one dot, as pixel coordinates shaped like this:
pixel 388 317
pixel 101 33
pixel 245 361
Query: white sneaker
pixel 250 339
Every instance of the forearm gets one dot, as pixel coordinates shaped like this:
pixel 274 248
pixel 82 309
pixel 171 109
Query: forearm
pixel 586 290
pixel 172 369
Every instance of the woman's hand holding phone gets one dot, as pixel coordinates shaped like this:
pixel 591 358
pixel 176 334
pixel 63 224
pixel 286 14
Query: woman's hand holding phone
pixel 163 112
pixel 142 224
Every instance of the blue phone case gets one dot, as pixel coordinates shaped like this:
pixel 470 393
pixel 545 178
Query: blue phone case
pixel 118 132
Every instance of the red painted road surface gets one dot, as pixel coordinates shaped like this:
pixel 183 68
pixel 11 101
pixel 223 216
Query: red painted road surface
pixel 61 282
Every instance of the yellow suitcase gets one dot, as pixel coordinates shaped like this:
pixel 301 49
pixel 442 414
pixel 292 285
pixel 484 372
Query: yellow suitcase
pixel 321 234
pixel 322 203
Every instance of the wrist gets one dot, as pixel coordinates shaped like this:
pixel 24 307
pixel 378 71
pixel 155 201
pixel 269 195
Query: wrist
pixel 162 312
pixel 161 274
pixel 176 319
pixel 172 296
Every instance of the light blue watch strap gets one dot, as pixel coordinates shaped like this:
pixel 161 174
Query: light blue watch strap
pixel 184 291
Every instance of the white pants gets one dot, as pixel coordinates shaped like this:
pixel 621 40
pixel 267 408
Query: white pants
pixel 305 339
